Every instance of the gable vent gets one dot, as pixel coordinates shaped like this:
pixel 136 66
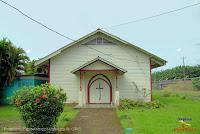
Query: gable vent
pixel 99 41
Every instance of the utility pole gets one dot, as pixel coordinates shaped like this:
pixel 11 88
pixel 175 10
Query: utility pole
pixel 183 68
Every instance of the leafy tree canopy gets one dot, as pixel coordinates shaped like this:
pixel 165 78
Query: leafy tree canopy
pixel 12 62
pixel 177 73
pixel 30 68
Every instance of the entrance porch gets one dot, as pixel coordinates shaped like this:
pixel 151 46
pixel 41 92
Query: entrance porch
pixel 98 84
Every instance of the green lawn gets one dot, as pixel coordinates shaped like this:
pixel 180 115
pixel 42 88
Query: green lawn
pixel 164 120
pixel 10 117
pixel 143 121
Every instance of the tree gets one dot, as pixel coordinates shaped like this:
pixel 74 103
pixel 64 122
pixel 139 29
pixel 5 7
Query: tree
pixel 177 73
pixel 12 62
pixel 30 68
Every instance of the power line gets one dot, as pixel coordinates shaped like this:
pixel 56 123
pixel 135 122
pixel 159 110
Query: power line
pixel 58 33
pixel 34 20
pixel 153 16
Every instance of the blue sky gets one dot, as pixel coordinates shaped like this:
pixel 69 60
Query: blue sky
pixel 170 36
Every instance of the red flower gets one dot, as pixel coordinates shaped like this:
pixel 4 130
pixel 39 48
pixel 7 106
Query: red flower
pixel 37 100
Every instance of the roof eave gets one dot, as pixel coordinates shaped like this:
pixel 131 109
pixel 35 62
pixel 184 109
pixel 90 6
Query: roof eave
pixel 158 62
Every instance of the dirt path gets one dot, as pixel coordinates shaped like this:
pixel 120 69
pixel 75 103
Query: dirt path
pixel 96 121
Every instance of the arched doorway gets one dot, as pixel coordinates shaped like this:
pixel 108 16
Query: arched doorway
pixel 99 90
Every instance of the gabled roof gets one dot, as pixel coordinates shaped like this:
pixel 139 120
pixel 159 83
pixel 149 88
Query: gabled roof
pixel 158 61
pixel 99 59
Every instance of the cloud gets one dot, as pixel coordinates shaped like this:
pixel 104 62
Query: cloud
pixel 179 49
pixel 28 51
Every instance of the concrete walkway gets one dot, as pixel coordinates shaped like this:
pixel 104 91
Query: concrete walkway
pixel 95 121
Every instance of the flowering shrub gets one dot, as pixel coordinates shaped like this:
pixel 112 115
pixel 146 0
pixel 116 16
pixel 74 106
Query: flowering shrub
pixel 39 106
pixel 126 104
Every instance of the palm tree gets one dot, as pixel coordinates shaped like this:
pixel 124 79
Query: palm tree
pixel 12 62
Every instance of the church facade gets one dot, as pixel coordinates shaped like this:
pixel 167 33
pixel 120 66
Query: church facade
pixel 101 68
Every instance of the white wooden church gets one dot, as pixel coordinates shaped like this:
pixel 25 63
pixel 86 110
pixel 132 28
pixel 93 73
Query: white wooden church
pixel 101 68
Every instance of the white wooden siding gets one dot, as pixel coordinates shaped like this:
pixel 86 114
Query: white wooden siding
pixel 136 63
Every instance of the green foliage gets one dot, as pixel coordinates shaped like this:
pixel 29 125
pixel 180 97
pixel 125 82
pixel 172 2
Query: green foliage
pixel 30 68
pixel 126 104
pixel 154 104
pixel 183 97
pixel 12 62
pixel 40 105
pixel 196 83
pixel 177 73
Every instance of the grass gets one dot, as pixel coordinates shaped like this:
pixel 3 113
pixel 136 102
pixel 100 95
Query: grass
pixel 10 117
pixel 178 104
pixel 178 101
pixel 67 115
